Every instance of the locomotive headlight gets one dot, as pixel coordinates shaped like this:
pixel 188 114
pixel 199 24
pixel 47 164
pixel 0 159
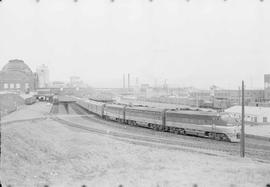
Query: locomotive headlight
pixel 237 129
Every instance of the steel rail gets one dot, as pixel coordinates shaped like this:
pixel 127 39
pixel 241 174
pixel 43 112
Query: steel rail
pixel 176 143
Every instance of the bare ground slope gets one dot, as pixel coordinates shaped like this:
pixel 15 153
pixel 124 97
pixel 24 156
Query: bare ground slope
pixel 9 102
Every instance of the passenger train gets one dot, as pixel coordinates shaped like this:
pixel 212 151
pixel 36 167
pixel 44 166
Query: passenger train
pixel 212 125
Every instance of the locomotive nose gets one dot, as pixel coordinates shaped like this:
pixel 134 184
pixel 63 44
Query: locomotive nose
pixel 237 131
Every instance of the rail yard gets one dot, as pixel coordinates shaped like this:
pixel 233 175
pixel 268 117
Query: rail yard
pixel 256 148
pixel 64 144
pixel 128 93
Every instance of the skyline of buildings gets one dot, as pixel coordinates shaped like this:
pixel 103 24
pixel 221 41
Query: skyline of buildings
pixel 41 79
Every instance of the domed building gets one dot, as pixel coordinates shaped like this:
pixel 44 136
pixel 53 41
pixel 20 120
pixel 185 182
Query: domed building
pixel 16 75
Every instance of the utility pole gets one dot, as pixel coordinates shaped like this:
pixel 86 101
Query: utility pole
pixel 239 95
pixel 242 141
pixel 0 137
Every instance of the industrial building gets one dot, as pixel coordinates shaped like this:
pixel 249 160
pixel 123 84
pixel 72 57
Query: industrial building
pixel 253 114
pixel 234 96
pixel 58 84
pixel 267 87
pixel 43 76
pixel 76 82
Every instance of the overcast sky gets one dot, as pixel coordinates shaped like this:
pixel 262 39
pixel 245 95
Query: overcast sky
pixel 197 43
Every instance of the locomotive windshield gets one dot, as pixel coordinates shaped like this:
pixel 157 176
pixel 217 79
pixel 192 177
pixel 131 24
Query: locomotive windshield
pixel 229 119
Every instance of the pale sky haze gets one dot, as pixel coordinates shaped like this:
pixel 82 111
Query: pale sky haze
pixel 197 43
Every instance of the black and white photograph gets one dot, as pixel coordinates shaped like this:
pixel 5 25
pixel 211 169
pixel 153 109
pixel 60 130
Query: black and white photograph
pixel 135 93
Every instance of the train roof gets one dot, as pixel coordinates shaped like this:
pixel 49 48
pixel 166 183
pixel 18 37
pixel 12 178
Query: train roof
pixel 115 106
pixel 95 102
pixel 192 112
pixel 145 108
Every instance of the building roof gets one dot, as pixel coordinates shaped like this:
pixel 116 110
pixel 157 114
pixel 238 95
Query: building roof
pixel 18 66
pixel 251 110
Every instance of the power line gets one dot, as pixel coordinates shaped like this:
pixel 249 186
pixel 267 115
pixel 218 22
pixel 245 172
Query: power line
pixel 242 140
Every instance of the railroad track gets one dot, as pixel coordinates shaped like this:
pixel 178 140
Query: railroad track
pixel 25 120
pixel 85 113
pixel 138 139
pixel 257 149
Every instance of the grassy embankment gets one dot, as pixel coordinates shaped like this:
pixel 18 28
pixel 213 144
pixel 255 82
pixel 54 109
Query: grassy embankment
pixel 9 103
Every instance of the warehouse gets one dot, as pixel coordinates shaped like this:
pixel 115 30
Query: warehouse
pixel 253 114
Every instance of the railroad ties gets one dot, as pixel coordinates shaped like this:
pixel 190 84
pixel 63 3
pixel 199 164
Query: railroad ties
pixel 61 101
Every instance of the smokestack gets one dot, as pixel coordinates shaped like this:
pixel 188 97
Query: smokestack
pixel 128 81
pixel 124 81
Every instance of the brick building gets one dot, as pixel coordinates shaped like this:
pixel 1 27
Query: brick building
pixel 16 75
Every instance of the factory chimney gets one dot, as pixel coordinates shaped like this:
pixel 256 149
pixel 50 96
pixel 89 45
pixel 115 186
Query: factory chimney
pixel 128 81
pixel 124 81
